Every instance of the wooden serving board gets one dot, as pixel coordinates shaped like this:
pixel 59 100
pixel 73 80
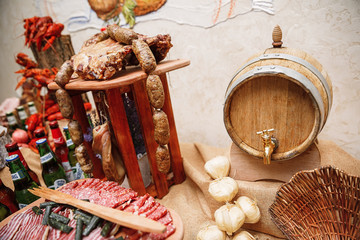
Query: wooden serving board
pixel 177 235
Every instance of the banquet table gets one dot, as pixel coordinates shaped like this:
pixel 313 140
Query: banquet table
pixel 192 201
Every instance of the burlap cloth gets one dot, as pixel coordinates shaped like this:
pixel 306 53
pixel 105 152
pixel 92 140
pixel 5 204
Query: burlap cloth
pixel 192 201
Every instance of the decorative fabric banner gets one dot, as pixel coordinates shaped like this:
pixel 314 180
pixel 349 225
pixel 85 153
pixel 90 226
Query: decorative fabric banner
pixel 77 15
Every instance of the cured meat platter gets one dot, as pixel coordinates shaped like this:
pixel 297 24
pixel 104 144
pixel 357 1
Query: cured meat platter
pixel 176 220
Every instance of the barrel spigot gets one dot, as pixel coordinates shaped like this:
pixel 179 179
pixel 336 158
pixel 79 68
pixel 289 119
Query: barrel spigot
pixel 270 144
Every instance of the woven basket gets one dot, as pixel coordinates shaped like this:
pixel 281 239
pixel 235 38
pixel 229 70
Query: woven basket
pixel 319 204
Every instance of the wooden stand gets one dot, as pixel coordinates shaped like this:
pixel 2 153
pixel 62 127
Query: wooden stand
pixel 249 168
pixel 133 80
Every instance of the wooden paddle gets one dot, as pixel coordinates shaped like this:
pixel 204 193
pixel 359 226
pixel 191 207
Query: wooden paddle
pixel 113 215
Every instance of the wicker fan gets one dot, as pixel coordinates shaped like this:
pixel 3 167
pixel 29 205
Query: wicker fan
pixel 319 204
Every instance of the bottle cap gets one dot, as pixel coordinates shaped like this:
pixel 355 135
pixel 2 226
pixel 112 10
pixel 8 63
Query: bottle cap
pixel 20 108
pixel 12 158
pixel 53 124
pixel 39 133
pixel 11 146
pixel 66 128
pixel 41 141
pixel 31 103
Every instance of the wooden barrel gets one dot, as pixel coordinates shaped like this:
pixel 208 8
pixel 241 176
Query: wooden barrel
pixel 281 88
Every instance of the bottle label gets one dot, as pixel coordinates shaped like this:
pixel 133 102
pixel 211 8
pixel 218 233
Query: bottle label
pixel 22 205
pixel 68 171
pixel 47 157
pixel 32 110
pixel 70 175
pixel 59 140
pixel 78 173
pixel 59 182
pixel 66 166
pixel 18 175
pixel 22 115
pixel 11 120
pixel 69 142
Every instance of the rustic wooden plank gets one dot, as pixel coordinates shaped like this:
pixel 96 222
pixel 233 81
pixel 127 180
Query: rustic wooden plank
pixel 80 116
pixel 145 117
pixel 123 78
pixel 174 148
pixel 56 55
pixel 123 137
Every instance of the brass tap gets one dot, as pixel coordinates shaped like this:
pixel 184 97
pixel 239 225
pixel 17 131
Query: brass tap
pixel 270 144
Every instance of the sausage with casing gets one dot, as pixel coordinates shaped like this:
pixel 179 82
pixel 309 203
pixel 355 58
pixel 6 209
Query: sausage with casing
pixel 162 159
pixel 65 103
pixel 155 91
pixel 96 38
pixel 144 54
pixel 75 132
pixel 121 35
pixel 83 158
pixel 64 74
pixel 161 127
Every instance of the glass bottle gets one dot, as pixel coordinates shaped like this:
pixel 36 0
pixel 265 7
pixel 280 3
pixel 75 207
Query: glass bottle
pixel 13 148
pixel 52 172
pixel 22 116
pixel 13 124
pixel 39 133
pixel 32 108
pixel 4 212
pixel 61 150
pixel 22 181
pixel 78 173
pixel 7 197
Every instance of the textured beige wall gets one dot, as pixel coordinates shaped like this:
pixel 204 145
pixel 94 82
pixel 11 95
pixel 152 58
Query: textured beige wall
pixel 328 30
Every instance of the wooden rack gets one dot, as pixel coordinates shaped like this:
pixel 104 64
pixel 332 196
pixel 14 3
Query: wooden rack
pixel 133 80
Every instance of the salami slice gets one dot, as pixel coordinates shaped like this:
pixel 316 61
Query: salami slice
pixel 134 206
pixel 147 205
pixel 158 213
pixel 166 219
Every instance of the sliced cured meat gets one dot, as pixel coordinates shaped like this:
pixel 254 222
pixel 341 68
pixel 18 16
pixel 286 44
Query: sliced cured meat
pixel 170 229
pixel 27 225
pixel 147 205
pixel 9 230
pixel 158 213
pixel 150 210
pixel 166 219
pixel 109 185
pixel 117 188
pixel 134 206
pixel 36 232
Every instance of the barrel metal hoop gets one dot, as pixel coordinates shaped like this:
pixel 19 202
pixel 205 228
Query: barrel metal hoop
pixel 275 69
pixel 301 61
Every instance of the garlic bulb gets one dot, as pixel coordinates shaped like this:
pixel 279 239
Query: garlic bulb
pixel 229 218
pixel 243 235
pixel 211 233
pixel 218 167
pixel 223 189
pixel 250 209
